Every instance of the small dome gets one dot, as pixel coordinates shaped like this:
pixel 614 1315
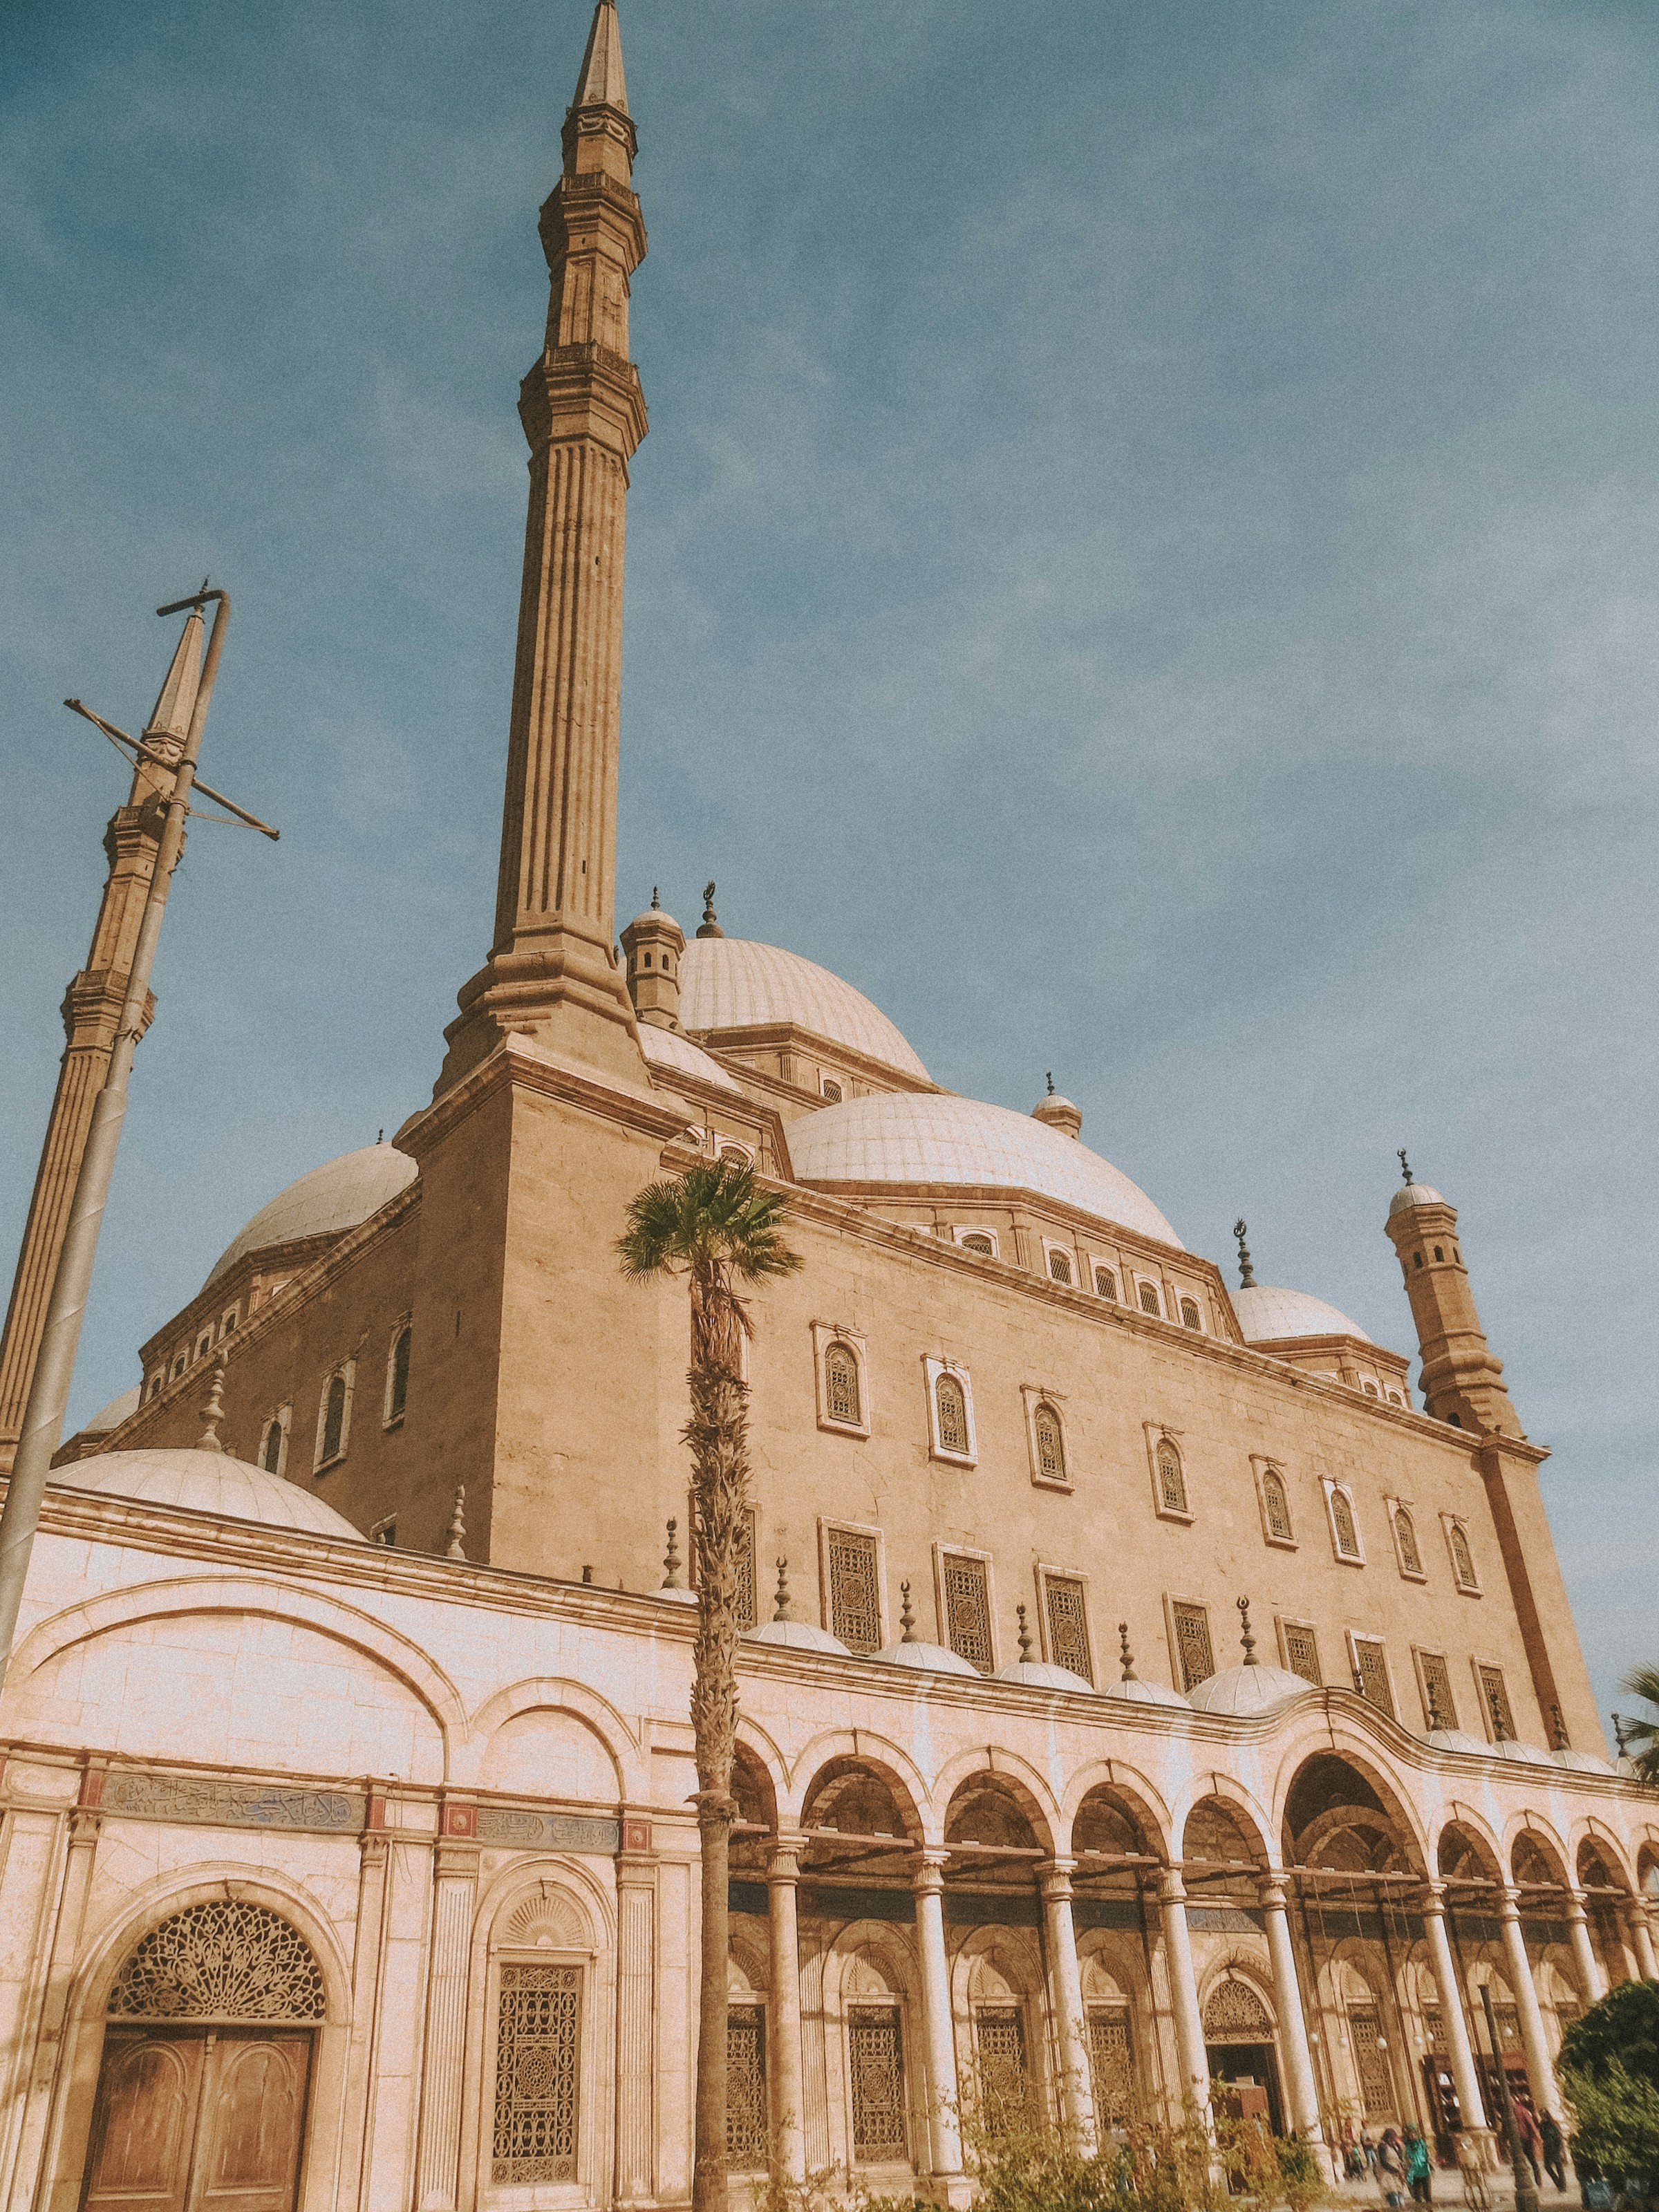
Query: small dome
pixel 1242 1692
pixel 1521 1754
pixel 328 1200
pixel 796 1636
pixel 1267 1313
pixel 208 1482
pixel 731 983
pixel 1137 1693
pixel 118 1410
pixel 669 1054
pixel 1412 1194
pixel 1580 1762
pixel 1059 1113
pixel 933 1658
pixel 909 1137
pixel 655 916
pixel 1456 1740
pixel 1039 1674
pixel 676 1597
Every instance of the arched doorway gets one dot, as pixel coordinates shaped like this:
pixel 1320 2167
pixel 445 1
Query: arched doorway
pixel 1222 1857
pixel 202 2093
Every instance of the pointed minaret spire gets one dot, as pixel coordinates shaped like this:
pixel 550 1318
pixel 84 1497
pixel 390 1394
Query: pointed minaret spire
pixel 552 971
pixel 169 724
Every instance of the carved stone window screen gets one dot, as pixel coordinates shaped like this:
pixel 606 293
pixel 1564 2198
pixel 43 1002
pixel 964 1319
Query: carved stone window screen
pixel 1171 1482
pixel 1192 1636
pixel 1112 2065
pixel 1462 1558
pixel 747 2134
pixel 1050 1445
pixel 1371 2061
pixel 1373 1670
pixel 999 2065
pixel 538 2049
pixel 1404 1534
pixel 967 1609
pixel 1302 1653
pixel 224 1960
pixel 1068 1624
pixel 1495 1700
pixel 843 1399
pixel 1345 1528
pixel 1439 1703
pixel 875 2053
pixel 1235 2014
pixel 855 1589
pixel 951 1404
pixel 1276 1505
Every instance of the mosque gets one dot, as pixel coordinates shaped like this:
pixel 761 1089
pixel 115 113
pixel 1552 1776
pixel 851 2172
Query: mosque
pixel 1143 1686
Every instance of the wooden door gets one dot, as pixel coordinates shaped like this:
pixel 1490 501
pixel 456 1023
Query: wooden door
pixel 209 2121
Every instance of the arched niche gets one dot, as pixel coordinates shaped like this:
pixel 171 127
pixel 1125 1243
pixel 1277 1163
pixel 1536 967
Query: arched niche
pixel 997 2003
pixel 750 1847
pixel 867 1805
pixel 1341 1817
pixel 548 1753
pixel 864 2058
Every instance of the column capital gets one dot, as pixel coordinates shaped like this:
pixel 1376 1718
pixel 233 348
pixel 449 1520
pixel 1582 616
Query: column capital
pixel 1270 1889
pixel 928 1879
pixel 784 1865
pixel 1054 1880
pixel 1434 1896
pixel 1575 1903
pixel 1171 1886
pixel 1510 1908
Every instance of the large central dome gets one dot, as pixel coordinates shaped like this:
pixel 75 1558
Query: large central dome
pixel 901 1137
pixel 327 1199
pixel 731 983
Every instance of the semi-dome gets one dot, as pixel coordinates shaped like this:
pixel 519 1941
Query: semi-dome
pixel 731 983
pixel 1043 1675
pixel 669 1054
pixel 1242 1692
pixel 929 1658
pixel 1267 1313
pixel 1412 1194
pixel 796 1636
pixel 321 1203
pixel 208 1482
pixel 910 1137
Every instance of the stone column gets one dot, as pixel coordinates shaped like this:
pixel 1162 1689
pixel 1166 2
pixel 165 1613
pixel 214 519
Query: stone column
pixel 1452 2016
pixel 1071 2026
pixel 943 2096
pixel 1545 2095
pixel 1583 1951
pixel 367 1960
pixel 1183 1992
pixel 1292 2022
pixel 1642 1939
pixel 454 1885
pixel 26 2181
pixel 636 2030
pixel 789 2076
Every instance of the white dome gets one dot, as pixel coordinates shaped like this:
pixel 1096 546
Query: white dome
pixel 1042 1674
pixel 118 1410
pixel 933 1658
pixel 1242 1692
pixel 1522 1754
pixel 1134 1692
pixel 1580 1762
pixel 336 1196
pixel 796 1636
pixel 909 1137
pixel 208 1482
pixel 730 983
pixel 1457 1740
pixel 1267 1313
pixel 671 1054
pixel 1412 1194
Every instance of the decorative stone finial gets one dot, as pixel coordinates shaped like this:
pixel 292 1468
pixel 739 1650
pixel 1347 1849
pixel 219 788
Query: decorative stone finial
pixel 1051 1083
pixel 1559 1729
pixel 214 1412
pixel 780 1608
pixel 710 926
pixel 907 1618
pixel 454 1549
pixel 1499 1733
pixel 1246 1271
pixel 587 1574
pixel 671 1559
pixel 1125 1654
pixel 656 903
pixel 1620 1725
pixel 1435 1720
pixel 1024 1639
pixel 1245 1636
pixel 1405 1175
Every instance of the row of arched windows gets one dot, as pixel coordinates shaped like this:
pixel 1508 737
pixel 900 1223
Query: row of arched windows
pixel 334 1407
pixel 1279 1527
pixel 950 1407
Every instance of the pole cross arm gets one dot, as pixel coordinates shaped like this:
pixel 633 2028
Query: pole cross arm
pixel 153 759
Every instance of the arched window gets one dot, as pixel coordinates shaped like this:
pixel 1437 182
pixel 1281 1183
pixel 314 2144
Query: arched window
pixel 271 1454
pixel 1462 1558
pixel 1060 1267
pixel 843 1400
pixel 831 1091
pixel 1171 1482
pixel 1189 1315
pixel 334 1419
pixel 1405 1532
pixel 1050 1445
pixel 1150 1301
pixel 1277 1506
pixel 1370 1388
pixel 951 1413
pixel 1106 1284
pixel 397 1388
pixel 1342 1519
pixel 981 1244
pixel 224 1960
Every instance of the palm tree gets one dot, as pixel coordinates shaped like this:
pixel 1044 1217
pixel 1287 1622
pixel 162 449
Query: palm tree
pixel 712 1225
pixel 1643 1682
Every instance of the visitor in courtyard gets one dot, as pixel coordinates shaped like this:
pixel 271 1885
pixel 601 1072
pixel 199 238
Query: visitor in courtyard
pixel 1420 2170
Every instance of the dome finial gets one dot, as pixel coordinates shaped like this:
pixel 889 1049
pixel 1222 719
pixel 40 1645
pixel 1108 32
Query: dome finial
pixel 656 902
pixel 709 926
pixel 671 1559
pixel 781 1610
pixel 907 1618
pixel 214 1412
pixel 1245 1636
pixel 1246 1273
pixel 1025 1638
pixel 1405 1175
pixel 1124 1652
pixel 457 1530
pixel 1051 1083
pixel 1620 1725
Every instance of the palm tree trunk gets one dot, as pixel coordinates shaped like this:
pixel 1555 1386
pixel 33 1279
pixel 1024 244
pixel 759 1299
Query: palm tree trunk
pixel 708 2168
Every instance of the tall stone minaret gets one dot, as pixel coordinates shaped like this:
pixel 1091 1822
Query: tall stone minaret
pixel 1462 1379
pixel 552 970
pixel 92 1011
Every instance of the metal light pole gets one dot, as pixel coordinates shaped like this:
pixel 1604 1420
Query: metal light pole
pixel 42 1419
pixel 1526 2189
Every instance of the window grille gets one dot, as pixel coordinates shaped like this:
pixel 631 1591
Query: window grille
pixel 1235 2014
pixel 272 1459
pixel 1342 1519
pixel 1106 1284
pixel 1405 1530
pixel 1373 1674
pixel 1302 1653
pixel 537 2036
pixel 1060 1267
pixel 1050 1445
pixel 1496 1699
pixel 1278 1507
pixel 1190 1314
pixel 1068 1624
pixel 1112 2065
pixel 1171 1482
pixel 1150 1301
pixel 854 1590
pixel 399 1395
pixel 982 1245
pixel 840 1385
pixel 1462 1558
pixel 831 1091
pixel 334 1417
pixel 746 2130
pixel 951 1404
pixel 1192 1628
pixel 1439 1705
pixel 224 1960
pixel 968 1609
pixel 1371 2061
pixel 875 2051
pixel 999 2063
pixel 1434 2028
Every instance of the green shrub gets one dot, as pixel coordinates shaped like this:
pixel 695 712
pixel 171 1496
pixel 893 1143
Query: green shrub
pixel 1625 2028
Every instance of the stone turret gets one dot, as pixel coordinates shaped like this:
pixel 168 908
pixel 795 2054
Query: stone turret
pixel 652 944
pixel 1056 1112
pixel 1462 1380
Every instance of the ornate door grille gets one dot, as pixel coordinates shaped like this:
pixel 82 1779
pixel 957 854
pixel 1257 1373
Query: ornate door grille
pixel 968 1609
pixel 1192 1628
pixel 1373 1674
pixel 875 2051
pixel 537 2036
pixel 1371 2062
pixel 1112 2065
pixel 225 1961
pixel 855 1591
pixel 747 2133
pixel 1302 1650
pixel 999 2061
pixel 1068 1626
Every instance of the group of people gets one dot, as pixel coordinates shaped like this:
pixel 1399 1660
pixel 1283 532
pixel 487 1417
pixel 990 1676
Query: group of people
pixel 1403 2164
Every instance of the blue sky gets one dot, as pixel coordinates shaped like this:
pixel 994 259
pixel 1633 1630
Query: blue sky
pixel 1145 561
